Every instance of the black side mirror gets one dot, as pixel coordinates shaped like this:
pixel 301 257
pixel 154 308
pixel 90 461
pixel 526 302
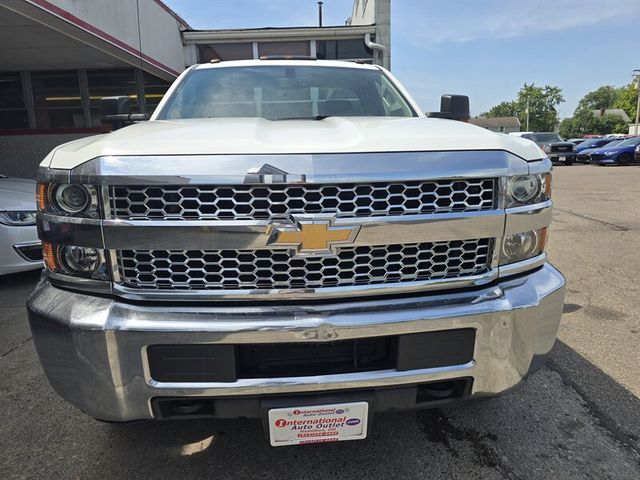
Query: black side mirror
pixel 115 106
pixel 117 112
pixel 453 107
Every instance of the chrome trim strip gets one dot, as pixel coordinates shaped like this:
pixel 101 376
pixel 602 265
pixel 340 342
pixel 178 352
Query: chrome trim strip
pixel 79 283
pixel 523 266
pixel 265 295
pixel 373 379
pixel 254 234
pixel 309 168
pixel 528 217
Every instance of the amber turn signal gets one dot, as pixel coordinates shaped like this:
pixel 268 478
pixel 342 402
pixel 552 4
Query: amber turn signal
pixel 49 256
pixel 41 196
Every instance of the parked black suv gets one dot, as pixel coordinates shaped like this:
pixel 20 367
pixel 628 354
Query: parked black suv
pixel 554 146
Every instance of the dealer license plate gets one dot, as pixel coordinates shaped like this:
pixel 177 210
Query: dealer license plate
pixel 562 159
pixel 318 423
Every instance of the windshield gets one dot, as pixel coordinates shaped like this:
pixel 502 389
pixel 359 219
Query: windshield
pixel 544 137
pixel 285 92
pixel 628 142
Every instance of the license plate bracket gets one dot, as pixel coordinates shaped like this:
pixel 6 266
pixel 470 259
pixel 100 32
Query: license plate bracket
pixel 335 422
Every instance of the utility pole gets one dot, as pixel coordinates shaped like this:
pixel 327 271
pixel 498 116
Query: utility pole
pixel 636 74
pixel 527 129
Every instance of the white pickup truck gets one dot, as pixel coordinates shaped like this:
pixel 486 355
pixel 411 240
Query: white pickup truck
pixel 292 240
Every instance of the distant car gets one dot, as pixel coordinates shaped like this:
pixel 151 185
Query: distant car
pixel 619 154
pixel 20 248
pixel 576 141
pixel 553 145
pixel 584 156
pixel 592 143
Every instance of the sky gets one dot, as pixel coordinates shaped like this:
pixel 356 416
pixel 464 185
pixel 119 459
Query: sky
pixel 486 49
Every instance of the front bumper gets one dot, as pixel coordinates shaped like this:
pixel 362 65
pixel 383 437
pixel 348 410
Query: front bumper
pixel 565 157
pixel 93 349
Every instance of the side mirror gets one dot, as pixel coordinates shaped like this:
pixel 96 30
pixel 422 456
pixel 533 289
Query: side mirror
pixel 115 106
pixel 116 111
pixel 453 107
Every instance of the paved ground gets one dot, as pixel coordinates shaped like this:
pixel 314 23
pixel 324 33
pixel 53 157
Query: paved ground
pixel 577 418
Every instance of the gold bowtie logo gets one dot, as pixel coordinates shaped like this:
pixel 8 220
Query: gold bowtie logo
pixel 312 237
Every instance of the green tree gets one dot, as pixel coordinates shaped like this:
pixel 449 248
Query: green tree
pixel 503 109
pixel 543 102
pixel 569 128
pixel 627 99
pixel 603 97
pixel 610 124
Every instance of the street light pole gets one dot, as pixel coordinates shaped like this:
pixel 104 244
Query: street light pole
pixel 637 75
pixel 527 114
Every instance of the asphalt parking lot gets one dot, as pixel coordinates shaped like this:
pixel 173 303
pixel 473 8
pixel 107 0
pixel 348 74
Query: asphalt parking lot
pixel 579 417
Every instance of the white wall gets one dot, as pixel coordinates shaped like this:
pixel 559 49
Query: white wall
pixel 363 12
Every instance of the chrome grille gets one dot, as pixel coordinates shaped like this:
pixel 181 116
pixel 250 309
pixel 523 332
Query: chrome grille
pixel 278 269
pixel 278 201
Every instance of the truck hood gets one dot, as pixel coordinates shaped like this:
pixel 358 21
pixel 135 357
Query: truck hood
pixel 261 136
pixel 17 194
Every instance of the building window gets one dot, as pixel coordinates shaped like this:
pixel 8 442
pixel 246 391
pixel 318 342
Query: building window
pixel 284 48
pixel 108 83
pixel 352 49
pixel 225 51
pixel 57 100
pixel 13 112
pixel 154 90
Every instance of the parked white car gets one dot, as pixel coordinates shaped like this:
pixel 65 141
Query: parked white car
pixel 20 248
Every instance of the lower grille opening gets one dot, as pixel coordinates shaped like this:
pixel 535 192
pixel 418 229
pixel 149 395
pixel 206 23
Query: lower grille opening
pixel 295 359
pixel 229 363
pixel 424 395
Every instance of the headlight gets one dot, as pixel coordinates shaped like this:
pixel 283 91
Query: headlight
pixel 524 188
pixel 18 219
pixel 79 260
pixel 546 148
pixel 522 245
pixel 527 189
pixel 71 198
pixel 76 261
pixel 68 199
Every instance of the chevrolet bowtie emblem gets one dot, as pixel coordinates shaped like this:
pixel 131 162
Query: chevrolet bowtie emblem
pixel 312 236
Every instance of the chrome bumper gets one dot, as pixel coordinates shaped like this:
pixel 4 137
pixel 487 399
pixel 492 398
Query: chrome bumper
pixel 93 348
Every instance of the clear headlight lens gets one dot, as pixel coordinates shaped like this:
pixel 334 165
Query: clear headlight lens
pixel 71 198
pixel 524 188
pixel 522 245
pixel 18 219
pixel 527 189
pixel 76 261
pixel 68 199
pixel 79 260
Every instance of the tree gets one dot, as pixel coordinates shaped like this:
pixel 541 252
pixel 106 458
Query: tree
pixel 627 99
pixel 503 109
pixel 542 101
pixel 585 122
pixel 543 116
pixel 603 97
